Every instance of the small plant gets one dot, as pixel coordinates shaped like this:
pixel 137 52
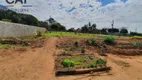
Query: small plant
pixel 109 39
pixel 91 65
pixel 101 62
pixel 70 63
pixel 76 43
pixel 93 42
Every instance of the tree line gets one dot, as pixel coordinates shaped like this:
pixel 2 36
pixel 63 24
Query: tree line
pixel 92 28
pixel 12 16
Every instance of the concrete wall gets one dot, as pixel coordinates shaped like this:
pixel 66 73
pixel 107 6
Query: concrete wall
pixel 16 30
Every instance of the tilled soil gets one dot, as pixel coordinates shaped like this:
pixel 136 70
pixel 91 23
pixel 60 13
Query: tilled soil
pixel 38 64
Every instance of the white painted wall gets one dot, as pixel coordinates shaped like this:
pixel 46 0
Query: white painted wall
pixel 8 29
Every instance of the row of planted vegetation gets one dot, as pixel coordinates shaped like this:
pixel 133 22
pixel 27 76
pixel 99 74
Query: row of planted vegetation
pixel 94 64
pixel 76 55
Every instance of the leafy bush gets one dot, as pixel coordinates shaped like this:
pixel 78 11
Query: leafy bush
pixel 76 43
pixel 70 63
pixel 109 39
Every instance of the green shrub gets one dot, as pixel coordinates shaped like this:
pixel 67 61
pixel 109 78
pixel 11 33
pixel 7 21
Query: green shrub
pixel 70 63
pixel 76 43
pixel 109 39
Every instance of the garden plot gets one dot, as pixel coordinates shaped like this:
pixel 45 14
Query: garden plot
pixel 79 64
pixel 77 59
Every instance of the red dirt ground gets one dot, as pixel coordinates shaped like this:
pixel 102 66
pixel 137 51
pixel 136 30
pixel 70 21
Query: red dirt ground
pixel 38 64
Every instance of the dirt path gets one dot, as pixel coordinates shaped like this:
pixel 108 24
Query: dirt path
pixel 34 64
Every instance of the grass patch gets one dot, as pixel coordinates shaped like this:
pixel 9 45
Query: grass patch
pixel 4 46
pixel 68 34
pixel 136 37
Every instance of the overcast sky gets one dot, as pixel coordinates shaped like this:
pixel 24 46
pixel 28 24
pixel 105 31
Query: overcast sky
pixel 76 13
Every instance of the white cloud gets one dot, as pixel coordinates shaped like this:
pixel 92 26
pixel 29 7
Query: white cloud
pixel 127 14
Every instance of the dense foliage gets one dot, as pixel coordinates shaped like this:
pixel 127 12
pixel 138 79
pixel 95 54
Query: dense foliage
pixel 57 27
pixel 18 17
